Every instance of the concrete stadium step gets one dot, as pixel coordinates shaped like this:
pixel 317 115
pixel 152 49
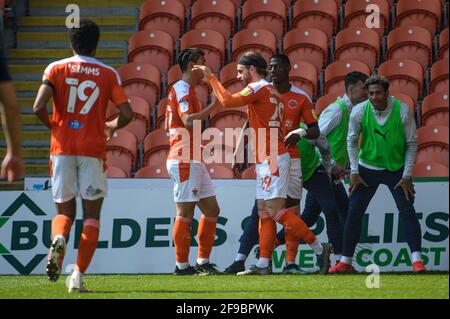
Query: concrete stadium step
pixel 30 119
pixel 14 186
pixel 39 54
pixel 59 40
pixel 27 86
pixel 37 170
pixel 105 23
pixel 30 152
pixel 93 8
pixel 30 136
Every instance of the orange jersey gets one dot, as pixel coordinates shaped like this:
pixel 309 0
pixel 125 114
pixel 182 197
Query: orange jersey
pixel 265 111
pixel 82 89
pixel 297 106
pixel 182 100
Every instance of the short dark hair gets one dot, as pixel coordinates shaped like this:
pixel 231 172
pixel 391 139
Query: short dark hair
pixel 353 78
pixel 84 39
pixel 283 58
pixel 189 55
pixel 261 68
pixel 377 79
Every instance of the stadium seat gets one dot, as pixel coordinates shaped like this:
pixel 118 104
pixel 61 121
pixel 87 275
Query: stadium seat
pixel 324 101
pixel 258 40
pixel 335 74
pixel 429 169
pixel 115 172
pixel 268 14
pixel 152 47
pixel 249 173
pixel 426 14
pixel 439 76
pixel 220 154
pixel 304 76
pixel 203 89
pixel 433 135
pixel 163 15
pixel 405 99
pixel 153 171
pixel 214 15
pixel 443 44
pixel 143 80
pixel 228 78
pixel 222 118
pixel 412 42
pixel 356 15
pixel 308 44
pixel 121 150
pixel 435 109
pixel 435 153
pixel 156 148
pixel 140 125
pixel 219 171
pixel 186 3
pixel 319 14
pixel 212 42
pixel 161 114
pixel 405 76
pixel 358 43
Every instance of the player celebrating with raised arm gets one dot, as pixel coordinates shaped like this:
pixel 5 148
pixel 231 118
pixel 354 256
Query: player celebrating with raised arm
pixel 265 108
pixel 386 156
pixel 193 186
pixel 81 87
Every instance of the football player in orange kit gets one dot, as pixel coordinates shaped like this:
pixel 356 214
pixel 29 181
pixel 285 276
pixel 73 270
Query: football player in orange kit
pixel 81 87
pixel 192 183
pixel 265 110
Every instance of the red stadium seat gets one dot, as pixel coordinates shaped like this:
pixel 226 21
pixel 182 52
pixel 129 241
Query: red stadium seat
pixel 356 15
pixel 439 76
pixel 156 148
pixel 412 42
pixel 249 173
pixel 335 74
pixel 164 15
pixel 161 114
pixel 443 44
pixel 121 150
pixel 433 135
pixel 203 89
pixel 152 47
pixel 222 118
pixel 304 76
pixel 115 172
pixel 358 43
pixel 219 171
pixel 429 169
pixel 435 109
pixel 214 15
pixel 228 78
pixel 319 14
pixel 186 3
pixel 308 44
pixel 212 43
pixel 140 125
pixel 269 14
pixel 435 153
pixel 143 80
pixel 152 171
pixel 405 76
pixel 326 100
pixel 425 14
pixel 259 40
pixel 405 99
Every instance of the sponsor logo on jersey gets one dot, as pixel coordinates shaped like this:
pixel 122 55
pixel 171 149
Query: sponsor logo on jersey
pixel 75 125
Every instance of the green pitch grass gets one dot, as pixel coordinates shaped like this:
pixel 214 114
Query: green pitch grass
pixel 433 285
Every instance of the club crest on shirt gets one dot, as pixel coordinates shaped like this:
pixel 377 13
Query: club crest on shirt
pixel 292 104
pixel 184 104
pixel 288 124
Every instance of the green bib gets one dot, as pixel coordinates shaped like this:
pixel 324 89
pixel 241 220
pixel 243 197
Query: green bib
pixel 383 146
pixel 337 138
pixel 309 157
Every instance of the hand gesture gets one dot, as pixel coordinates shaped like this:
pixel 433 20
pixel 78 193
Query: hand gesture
pixel 355 181
pixel 408 188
